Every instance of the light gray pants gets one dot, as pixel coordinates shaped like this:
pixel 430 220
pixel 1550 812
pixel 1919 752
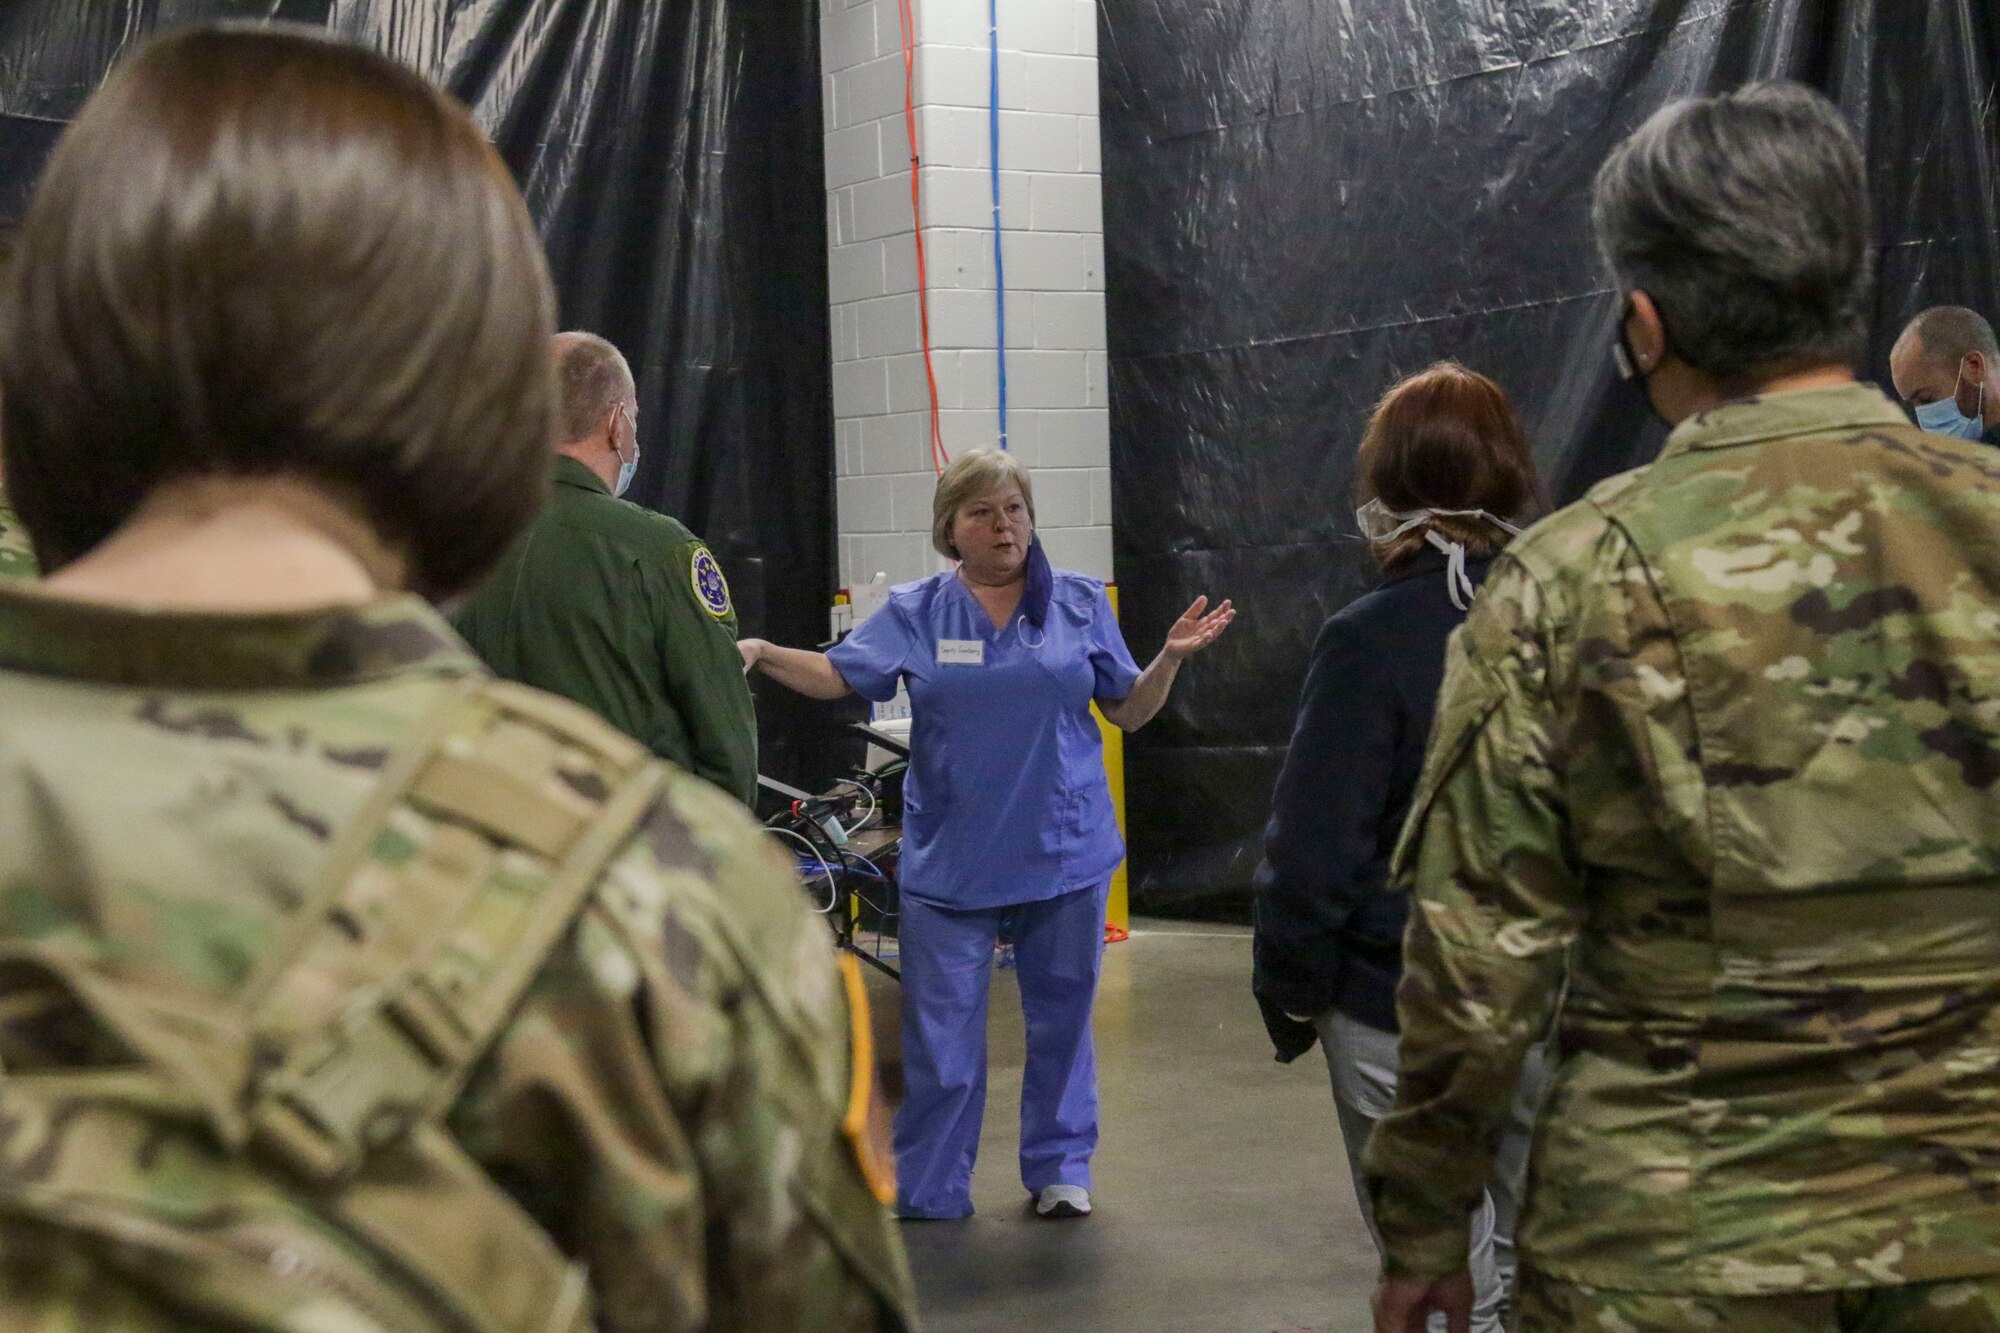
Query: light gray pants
pixel 1362 1063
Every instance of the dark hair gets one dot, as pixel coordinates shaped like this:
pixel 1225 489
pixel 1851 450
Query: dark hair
pixel 591 379
pixel 259 251
pixel 1745 218
pixel 1446 438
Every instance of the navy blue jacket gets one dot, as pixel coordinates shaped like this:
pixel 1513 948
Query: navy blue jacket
pixel 1329 934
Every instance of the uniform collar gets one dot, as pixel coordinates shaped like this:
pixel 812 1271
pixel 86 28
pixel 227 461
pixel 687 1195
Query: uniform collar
pixel 569 472
pixel 1429 560
pixel 43 634
pixel 1779 416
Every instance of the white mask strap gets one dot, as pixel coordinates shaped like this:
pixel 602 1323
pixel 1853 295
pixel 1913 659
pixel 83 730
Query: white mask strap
pixel 1407 519
pixel 1456 581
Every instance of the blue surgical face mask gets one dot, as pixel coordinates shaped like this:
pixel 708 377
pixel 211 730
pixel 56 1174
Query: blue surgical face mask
pixel 625 469
pixel 1944 418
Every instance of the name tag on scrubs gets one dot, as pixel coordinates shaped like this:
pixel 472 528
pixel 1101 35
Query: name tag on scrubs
pixel 961 652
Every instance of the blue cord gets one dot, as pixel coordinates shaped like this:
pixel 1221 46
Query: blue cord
pixel 871 865
pixel 999 263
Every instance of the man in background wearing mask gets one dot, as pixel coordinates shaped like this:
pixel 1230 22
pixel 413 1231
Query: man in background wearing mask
pixel 615 606
pixel 1946 366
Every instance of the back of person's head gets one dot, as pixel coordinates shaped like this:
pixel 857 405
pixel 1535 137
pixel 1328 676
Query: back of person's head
pixel 1745 218
pixel 261 252
pixel 1947 334
pixel 592 377
pixel 1446 438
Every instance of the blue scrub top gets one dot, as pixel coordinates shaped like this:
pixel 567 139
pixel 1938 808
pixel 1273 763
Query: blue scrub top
pixel 1006 799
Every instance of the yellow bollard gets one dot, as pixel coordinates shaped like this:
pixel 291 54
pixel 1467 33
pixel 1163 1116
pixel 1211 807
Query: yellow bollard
pixel 1118 915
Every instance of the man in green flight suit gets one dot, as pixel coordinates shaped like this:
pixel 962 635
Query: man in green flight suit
pixel 615 606
pixel 1715 763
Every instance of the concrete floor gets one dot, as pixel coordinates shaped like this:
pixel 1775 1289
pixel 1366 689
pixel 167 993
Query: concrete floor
pixel 1222 1196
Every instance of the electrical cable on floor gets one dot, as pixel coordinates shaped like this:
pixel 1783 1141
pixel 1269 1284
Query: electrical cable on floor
pixel 908 20
pixel 999 260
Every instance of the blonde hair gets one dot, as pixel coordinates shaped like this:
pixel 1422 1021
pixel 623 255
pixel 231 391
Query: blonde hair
pixel 974 473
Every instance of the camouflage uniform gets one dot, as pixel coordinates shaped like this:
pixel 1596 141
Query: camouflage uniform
pixel 1543 1305
pixel 17 557
pixel 230 1095
pixel 1718 746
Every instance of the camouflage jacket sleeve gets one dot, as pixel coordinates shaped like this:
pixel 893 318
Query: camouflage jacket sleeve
pixel 677 1101
pixel 1497 903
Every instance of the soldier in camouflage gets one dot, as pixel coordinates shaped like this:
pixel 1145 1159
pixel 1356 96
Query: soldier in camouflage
pixel 1717 747
pixel 344 988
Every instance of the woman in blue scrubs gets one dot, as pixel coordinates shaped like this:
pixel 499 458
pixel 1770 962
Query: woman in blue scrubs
pixel 1007 814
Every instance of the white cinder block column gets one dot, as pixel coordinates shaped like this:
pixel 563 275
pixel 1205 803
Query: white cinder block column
pixel 1052 218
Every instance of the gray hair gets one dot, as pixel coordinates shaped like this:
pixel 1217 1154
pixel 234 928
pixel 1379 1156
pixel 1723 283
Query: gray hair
pixel 1745 218
pixel 592 378
pixel 974 473
pixel 1947 334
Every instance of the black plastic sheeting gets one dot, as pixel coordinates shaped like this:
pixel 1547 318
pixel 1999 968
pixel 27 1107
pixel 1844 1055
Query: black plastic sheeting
pixel 671 155
pixel 1305 200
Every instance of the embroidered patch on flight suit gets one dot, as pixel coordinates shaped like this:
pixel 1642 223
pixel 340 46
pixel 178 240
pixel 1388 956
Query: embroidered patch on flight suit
pixel 710 588
pixel 866 1123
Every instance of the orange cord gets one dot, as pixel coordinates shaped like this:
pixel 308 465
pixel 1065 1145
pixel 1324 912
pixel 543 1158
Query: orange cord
pixel 1115 934
pixel 903 13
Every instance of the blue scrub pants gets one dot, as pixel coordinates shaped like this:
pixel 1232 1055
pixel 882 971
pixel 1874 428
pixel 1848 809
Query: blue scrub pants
pixel 947 961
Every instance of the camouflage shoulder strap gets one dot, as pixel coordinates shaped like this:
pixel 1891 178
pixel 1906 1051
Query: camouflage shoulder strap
pixel 435 911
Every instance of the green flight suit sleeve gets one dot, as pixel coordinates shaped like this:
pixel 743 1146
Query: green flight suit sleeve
pixel 704 672
pixel 1497 904
pixel 17 554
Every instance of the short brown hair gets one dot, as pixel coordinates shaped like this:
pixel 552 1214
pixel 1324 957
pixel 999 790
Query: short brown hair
pixel 592 377
pixel 1947 334
pixel 974 473
pixel 1446 438
pixel 259 251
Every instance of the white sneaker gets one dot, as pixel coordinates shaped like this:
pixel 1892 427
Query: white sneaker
pixel 1061 1201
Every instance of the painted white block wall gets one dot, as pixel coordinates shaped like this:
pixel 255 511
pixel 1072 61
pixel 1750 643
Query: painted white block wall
pixel 1053 247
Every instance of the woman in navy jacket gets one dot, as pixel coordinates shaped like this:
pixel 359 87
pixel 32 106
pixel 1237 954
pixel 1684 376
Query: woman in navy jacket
pixel 1443 464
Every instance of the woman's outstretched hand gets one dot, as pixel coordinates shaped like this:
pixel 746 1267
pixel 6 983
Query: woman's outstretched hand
pixel 811 674
pixel 1190 634
pixel 1198 628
